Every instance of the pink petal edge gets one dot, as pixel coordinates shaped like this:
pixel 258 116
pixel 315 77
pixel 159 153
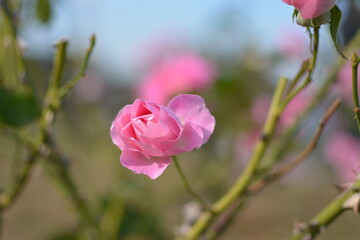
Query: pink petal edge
pixel 189 107
pixel 139 164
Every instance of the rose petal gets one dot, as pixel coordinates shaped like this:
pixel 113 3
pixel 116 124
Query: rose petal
pixel 191 137
pixel 152 167
pixel 139 108
pixel 287 2
pixel 188 107
pixel 121 120
pixel 311 8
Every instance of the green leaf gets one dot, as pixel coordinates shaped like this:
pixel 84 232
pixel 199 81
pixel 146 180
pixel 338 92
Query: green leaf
pixel 43 10
pixel 294 15
pixel 17 107
pixel 12 69
pixel 334 25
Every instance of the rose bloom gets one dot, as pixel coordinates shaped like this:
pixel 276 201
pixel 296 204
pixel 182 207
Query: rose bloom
pixel 311 8
pixel 184 72
pixel 150 134
pixel 342 152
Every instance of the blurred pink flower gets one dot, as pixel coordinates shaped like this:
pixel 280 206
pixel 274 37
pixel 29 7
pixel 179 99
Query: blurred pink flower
pixel 311 8
pixel 295 108
pixel 342 151
pixel 292 44
pixel 180 73
pixel 344 85
pixel 149 134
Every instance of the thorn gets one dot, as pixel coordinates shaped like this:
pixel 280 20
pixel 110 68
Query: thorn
pixel 299 227
pixel 342 187
pixel 353 202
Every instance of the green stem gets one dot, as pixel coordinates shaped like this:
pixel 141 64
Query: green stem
pixel 52 103
pixel 187 185
pixel 80 205
pixel 288 137
pixel 72 82
pixel 7 199
pixel 311 67
pixel 257 186
pixel 51 100
pixel 267 133
pixel 245 179
pixel 325 216
pixel 355 64
pixel 304 67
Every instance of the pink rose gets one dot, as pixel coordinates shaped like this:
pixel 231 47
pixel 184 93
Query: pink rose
pixel 311 8
pixel 185 72
pixel 150 134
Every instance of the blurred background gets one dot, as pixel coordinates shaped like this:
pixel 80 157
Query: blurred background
pixel 231 52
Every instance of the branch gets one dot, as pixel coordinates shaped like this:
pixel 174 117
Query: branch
pixel 187 186
pixel 254 188
pixel 327 215
pixel 72 82
pixel 299 159
pixel 239 187
pixel 355 60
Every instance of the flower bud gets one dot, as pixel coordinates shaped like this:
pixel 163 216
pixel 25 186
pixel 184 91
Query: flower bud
pixel 315 22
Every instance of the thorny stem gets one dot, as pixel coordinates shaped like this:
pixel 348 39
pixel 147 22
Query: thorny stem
pixel 62 171
pixel 7 199
pixel 320 96
pixel 187 185
pixel 304 67
pixel 354 66
pixel 326 216
pixel 72 82
pixel 311 67
pixel 271 178
pixel 207 217
pixel 244 180
pixel 46 119
pixel 41 146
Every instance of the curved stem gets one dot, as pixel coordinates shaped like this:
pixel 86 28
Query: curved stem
pixel 326 216
pixel 311 67
pixel 244 180
pixel 187 185
pixel 39 145
pixel 255 187
pixel 355 64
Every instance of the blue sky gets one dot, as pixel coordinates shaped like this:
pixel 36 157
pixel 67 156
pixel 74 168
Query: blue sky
pixel 123 26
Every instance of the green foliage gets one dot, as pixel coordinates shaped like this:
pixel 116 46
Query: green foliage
pixel 43 10
pixel 294 15
pixel 11 66
pixel 334 25
pixel 17 107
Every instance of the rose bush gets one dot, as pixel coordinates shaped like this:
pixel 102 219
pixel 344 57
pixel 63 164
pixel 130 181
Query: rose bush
pixel 150 134
pixel 311 8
